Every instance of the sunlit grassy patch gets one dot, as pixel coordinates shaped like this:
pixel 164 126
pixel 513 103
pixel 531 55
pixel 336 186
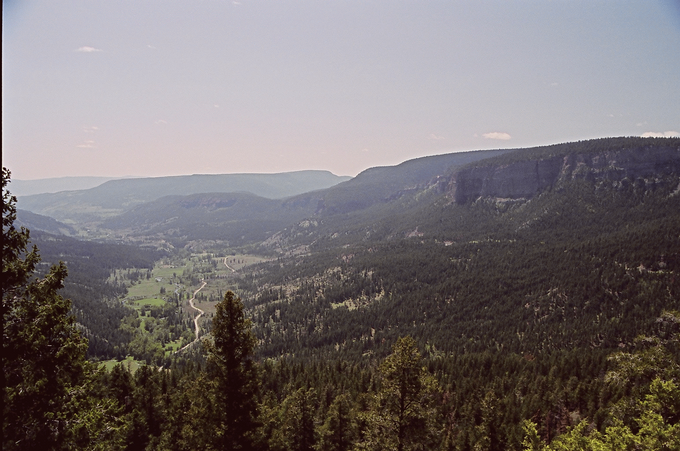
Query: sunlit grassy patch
pixel 145 288
pixel 129 363
pixel 155 302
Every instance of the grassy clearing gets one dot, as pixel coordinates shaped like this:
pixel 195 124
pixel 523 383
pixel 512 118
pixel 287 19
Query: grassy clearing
pixel 150 301
pixel 145 288
pixel 240 261
pixel 183 275
pixel 130 363
pixel 168 275
pixel 167 271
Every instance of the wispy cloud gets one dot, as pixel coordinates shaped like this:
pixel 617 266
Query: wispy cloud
pixel 88 49
pixel 88 144
pixel 435 137
pixel 668 134
pixel 160 121
pixel 91 129
pixel 497 135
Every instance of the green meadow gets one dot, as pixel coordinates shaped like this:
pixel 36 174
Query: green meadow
pixel 129 363
pixel 154 302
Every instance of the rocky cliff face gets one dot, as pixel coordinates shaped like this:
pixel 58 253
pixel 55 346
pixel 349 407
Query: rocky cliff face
pixel 525 179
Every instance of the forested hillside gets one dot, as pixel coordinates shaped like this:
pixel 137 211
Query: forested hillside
pixel 588 264
pixel 508 300
pixel 33 221
pixel 236 219
pixel 95 298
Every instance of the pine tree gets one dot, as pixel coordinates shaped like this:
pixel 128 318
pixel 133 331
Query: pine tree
pixel 47 382
pixel 233 376
pixel 338 431
pixel 299 410
pixel 403 415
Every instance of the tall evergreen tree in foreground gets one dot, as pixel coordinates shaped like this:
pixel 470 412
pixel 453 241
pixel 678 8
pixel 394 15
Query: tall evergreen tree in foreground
pixel 339 429
pixel 232 377
pixel 46 380
pixel 403 416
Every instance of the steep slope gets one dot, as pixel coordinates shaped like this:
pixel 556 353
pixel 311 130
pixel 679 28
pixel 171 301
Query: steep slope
pixel 508 180
pixel 95 298
pixel 354 209
pixel 381 185
pixel 36 222
pixel 526 173
pixel 410 199
pixel 589 260
pixel 242 218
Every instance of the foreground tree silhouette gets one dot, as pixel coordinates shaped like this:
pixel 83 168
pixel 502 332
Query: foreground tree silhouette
pixel 232 377
pixel 46 380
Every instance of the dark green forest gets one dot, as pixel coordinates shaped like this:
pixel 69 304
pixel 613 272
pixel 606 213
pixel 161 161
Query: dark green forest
pixel 465 308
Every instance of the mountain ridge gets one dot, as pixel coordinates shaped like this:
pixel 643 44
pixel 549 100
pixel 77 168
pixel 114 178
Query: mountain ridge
pixel 116 196
pixel 389 201
pixel 56 184
pixel 623 160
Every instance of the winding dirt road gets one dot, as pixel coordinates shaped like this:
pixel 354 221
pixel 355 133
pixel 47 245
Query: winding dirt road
pixel 229 267
pixel 200 313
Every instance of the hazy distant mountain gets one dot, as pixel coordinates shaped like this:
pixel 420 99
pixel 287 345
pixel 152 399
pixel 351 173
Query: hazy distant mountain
pixel 54 185
pixel 35 222
pixel 405 199
pixel 117 196
pixel 239 218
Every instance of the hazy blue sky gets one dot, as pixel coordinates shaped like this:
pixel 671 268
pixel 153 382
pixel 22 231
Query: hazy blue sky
pixel 165 87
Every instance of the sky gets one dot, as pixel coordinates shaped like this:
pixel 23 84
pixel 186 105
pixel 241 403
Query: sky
pixel 170 87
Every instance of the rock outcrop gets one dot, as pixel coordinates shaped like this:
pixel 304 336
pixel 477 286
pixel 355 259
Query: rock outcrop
pixel 527 178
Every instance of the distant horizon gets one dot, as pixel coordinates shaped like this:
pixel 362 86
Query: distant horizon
pixel 281 172
pixel 161 89
pixel 169 175
pixel 114 177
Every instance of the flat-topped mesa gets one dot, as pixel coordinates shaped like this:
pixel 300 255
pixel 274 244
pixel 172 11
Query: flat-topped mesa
pixel 526 178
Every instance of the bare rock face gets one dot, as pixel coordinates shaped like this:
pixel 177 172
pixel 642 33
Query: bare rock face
pixel 517 180
pixel 525 179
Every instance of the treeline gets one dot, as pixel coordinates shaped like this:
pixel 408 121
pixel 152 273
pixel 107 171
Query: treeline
pixel 586 147
pixel 413 398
